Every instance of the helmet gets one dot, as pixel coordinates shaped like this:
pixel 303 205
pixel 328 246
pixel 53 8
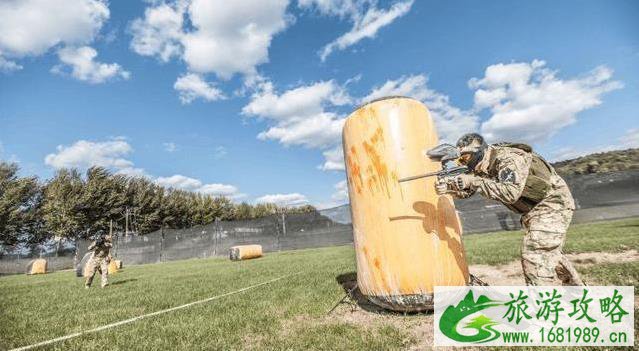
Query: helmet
pixel 100 236
pixel 471 148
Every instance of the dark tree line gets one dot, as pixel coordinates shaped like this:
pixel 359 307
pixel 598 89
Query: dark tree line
pixel 76 205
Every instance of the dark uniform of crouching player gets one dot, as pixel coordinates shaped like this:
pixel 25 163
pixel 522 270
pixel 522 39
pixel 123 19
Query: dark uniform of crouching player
pixel 99 261
pixel 527 184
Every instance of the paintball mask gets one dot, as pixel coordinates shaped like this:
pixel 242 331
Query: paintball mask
pixel 471 149
pixel 99 238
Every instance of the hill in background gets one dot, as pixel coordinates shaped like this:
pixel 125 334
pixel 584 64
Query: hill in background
pixel 604 162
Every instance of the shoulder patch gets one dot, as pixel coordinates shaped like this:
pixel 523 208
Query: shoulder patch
pixel 507 175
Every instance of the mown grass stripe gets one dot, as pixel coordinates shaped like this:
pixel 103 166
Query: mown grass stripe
pixel 131 320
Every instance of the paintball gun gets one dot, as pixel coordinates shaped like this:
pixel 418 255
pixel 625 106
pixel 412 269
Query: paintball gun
pixel 443 153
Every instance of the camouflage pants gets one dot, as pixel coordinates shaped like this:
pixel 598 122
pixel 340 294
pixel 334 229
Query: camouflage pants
pixel 542 258
pixel 97 265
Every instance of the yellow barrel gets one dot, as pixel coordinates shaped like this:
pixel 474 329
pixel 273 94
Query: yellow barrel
pixel 245 252
pixel 113 267
pixel 407 238
pixel 37 266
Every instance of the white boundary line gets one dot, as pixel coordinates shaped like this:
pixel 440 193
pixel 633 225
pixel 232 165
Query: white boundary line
pixel 131 320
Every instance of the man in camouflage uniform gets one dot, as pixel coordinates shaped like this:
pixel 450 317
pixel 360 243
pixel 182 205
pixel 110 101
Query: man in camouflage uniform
pixel 99 261
pixel 525 183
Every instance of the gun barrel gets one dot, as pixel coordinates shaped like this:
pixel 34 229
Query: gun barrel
pixel 406 179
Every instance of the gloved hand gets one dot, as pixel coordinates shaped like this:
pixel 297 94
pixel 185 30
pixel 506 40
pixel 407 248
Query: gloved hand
pixel 441 187
pixel 462 182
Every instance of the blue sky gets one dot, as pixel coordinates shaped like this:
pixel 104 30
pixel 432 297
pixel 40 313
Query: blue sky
pixel 247 99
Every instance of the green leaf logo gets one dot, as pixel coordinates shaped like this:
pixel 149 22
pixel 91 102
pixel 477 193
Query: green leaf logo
pixel 452 317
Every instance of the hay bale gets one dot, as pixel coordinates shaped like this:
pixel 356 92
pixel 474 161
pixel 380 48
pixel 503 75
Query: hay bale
pixel 38 266
pixel 245 252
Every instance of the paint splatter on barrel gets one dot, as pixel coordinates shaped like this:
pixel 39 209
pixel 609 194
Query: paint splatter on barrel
pixel 407 238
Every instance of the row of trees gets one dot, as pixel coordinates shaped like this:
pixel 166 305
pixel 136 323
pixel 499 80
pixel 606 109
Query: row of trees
pixel 74 205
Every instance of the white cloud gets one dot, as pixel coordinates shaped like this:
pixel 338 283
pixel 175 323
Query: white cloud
pixel 160 31
pixel 84 154
pixel 83 66
pixel 293 199
pixel 333 159
pixel 529 103
pixel 338 198
pixel 317 131
pixel 451 121
pixel 134 172
pixel 218 189
pixel 297 103
pixel 367 19
pixel 181 182
pixel 170 147
pixel 33 27
pixel 411 86
pixel 7 66
pixel 341 192
pixel 113 155
pixel 232 37
pixel 222 37
pixel 192 86
pixel 219 152
pixel 630 139
pixel 298 116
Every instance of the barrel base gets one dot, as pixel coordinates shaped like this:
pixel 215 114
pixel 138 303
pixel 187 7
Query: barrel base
pixel 404 303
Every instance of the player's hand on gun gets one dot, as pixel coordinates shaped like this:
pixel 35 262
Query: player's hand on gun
pixel 441 186
pixel 460 182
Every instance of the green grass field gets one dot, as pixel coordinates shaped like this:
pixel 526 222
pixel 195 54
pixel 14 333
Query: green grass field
pixel 287 314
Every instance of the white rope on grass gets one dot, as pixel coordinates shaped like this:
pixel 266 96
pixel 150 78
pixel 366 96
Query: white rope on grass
pixel 131 320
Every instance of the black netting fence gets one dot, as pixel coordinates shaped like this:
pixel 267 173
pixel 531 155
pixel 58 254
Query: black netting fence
pixel 274 233
pixel 60 254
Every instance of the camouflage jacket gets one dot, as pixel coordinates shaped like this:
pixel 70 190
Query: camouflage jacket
pixel 100 251
pixel 502 174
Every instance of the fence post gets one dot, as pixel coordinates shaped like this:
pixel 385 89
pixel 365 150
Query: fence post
pixel 75 253
pixel 161 241
pixel 217 235
pixel 279 242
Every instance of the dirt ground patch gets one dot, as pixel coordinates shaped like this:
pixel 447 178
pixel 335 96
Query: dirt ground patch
pixel 420 326
pixel 511 273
